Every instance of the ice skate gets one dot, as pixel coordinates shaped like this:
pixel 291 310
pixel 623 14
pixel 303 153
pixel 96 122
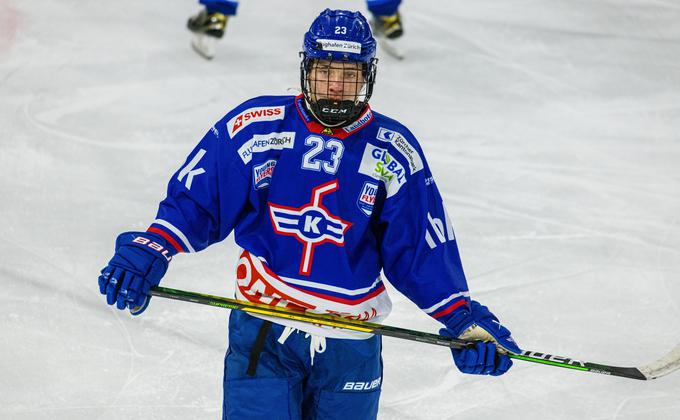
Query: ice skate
pixel 387 30
pixel 207 28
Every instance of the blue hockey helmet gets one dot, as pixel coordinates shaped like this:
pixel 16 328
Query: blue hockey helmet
pixel 340 35
pixel 338 44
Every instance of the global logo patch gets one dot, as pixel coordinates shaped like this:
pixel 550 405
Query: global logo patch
pixel 379 164
pixel 262 174
pixel 366 199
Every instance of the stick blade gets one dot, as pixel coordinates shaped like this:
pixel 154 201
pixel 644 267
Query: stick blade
pixel 391 48
pixel 662 367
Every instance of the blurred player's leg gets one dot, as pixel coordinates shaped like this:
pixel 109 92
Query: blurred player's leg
pixel 387 25
pixel 386 18
pixel 209 24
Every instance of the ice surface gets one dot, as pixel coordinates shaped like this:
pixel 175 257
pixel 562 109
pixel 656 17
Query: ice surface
pixel 552 128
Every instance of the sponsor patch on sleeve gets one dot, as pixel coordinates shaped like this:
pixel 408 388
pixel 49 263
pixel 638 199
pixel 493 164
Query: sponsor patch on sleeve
pixel 262 174
pixel 415 162
pixel 379 164
pixel 264 142
pixel 366 199
pixel 251 115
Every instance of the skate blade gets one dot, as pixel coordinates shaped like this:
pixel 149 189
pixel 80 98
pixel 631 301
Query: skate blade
pixel 390 48
pixel 204 45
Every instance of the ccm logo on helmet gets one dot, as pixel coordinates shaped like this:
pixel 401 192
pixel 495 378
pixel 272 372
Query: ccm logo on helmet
pixel 153 245
pixel 252 115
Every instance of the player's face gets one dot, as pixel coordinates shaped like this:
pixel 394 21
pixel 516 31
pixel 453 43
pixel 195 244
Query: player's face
pixel 335 80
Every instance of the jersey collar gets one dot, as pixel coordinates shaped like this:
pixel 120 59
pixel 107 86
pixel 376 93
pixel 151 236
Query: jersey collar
pixel 339 132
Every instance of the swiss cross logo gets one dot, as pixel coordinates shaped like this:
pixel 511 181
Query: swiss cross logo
pixel 312 224
pixel 238 123
pixel 252 115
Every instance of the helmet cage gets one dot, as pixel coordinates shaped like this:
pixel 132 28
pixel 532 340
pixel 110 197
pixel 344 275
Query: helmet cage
pixel 336 90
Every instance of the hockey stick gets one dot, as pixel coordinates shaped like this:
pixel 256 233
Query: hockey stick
pixel 657 369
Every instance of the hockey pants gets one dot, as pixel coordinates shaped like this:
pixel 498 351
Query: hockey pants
pixel 264 379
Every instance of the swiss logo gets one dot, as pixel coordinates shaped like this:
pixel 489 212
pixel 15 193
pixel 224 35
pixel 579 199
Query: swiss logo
pixel 366 199
pixel 252 115
pixel 311 225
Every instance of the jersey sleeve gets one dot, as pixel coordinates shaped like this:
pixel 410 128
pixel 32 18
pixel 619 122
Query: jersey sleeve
pixel 418 247
pixel 205 196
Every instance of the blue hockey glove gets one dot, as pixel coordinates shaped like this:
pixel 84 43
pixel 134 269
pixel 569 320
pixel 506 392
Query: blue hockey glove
pixel 489 355
pixel 139 263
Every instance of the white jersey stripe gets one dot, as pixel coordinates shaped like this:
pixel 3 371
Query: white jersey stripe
pixel 177 232
pixel 441 303
pixel 335 289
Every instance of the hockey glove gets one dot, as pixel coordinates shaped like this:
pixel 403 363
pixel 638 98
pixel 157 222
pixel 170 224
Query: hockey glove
pixel 139 263
pixel 493 341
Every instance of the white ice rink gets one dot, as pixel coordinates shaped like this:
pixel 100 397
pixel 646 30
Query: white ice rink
pixel 552 128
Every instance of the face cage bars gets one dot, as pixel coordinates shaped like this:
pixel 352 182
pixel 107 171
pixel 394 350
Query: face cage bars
pixel 333 113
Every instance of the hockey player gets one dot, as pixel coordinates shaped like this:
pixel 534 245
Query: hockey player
pixel 322 193
pixel 210 23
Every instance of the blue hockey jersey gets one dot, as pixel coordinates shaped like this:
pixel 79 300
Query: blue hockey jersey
pixel 318 211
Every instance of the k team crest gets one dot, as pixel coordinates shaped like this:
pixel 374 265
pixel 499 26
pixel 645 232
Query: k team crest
pixel 311 225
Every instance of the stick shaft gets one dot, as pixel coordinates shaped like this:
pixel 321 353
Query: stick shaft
pixel 389 331
pixel 307 317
